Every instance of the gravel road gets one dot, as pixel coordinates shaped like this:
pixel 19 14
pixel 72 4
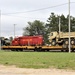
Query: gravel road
pixel 12 70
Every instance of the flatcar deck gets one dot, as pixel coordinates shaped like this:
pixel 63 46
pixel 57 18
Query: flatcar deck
pixel 32 47
pixel 36 48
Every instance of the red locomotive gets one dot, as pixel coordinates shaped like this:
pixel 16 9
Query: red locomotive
pixel 28 41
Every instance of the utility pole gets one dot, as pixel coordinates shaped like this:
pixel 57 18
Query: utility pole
pixel 14 30
pixel 69 26
pixel 59 24
pixel 0 29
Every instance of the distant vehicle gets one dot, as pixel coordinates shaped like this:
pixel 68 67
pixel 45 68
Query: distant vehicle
pixel 5 41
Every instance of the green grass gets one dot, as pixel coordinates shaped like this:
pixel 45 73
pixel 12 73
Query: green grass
pixel 38 59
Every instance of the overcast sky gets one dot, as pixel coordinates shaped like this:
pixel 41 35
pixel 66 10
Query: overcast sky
pixel 19 12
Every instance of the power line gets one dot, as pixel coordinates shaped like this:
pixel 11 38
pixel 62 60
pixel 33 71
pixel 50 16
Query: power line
pixel 26 17
pixel 38 9
pixel 10 14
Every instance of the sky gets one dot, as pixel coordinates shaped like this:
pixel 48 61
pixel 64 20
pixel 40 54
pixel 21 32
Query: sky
pixel 20 12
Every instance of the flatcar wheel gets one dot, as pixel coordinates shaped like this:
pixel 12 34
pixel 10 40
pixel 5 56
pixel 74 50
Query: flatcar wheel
pixel 17 50
pixel 12 49
pixel 21 49
pixel 72 50
pixel 47 50
pixel 62 50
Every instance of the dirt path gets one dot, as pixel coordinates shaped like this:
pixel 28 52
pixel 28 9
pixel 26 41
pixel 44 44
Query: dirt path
pixel 12 70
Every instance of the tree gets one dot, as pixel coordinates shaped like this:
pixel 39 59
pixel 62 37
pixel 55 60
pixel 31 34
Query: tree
pixel 35 28
pixel 53 23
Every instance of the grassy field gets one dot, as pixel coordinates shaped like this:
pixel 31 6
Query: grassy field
pixel 38 59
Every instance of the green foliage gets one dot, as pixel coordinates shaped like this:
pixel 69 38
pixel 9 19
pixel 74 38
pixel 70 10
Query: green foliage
pixel 35 28
pixel 53 23
pixel 38 59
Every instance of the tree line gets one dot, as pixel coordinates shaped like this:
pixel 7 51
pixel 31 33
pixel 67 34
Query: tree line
pixel 41 28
